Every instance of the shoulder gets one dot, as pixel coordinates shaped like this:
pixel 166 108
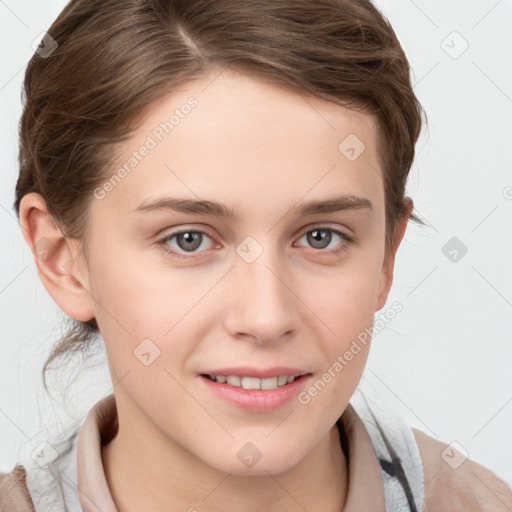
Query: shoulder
pixel 455 483
pixel 14 495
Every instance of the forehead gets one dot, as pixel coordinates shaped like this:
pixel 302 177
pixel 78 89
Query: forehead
pixel 239 138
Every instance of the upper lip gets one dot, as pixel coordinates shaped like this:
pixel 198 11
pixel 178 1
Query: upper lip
pixel 259 373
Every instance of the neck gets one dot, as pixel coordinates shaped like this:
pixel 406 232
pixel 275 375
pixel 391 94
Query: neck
pixel 149 472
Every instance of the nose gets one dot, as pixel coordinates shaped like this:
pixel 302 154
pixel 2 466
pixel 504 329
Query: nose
pixel 262 305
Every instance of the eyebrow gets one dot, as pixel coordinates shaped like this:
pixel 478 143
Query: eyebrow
pixel 205 207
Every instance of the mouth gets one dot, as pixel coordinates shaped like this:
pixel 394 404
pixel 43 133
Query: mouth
pixel 252 388
pixel 255 394
pixel 254 383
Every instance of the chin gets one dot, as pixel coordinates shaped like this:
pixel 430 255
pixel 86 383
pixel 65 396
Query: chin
pixel 248 460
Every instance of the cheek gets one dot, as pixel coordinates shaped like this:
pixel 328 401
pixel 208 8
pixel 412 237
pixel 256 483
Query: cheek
pixel 346 304
pixel 134 292
pixel 345 298
pixel 146 312
pixel 344 352
pixel 128 306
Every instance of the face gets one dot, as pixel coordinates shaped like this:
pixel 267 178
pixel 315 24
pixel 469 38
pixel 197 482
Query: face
pixel 256 281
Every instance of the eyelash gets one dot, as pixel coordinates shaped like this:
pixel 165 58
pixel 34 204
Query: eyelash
pixel 348 240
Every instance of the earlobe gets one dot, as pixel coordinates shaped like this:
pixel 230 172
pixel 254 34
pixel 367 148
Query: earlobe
pixel 385 282
pixel 55 256
pixel 388 266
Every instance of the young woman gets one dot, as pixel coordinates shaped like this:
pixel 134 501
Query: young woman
pixel 217 189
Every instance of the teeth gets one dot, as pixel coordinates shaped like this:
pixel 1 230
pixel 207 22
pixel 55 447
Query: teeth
pixel 281 381
pixel 233 380
pixel 253 382
pixel 269 383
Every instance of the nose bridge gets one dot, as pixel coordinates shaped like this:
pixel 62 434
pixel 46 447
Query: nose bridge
pixel 263 305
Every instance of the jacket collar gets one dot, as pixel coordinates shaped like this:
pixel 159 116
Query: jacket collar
pixel 365 491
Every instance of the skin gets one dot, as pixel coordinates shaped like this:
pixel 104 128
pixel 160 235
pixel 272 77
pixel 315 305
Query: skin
pixel 261 150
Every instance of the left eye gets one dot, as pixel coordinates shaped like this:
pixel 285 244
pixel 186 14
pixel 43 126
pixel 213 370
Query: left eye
pixel 320 237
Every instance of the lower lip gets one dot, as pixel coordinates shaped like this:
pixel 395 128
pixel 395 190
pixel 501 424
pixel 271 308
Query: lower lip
pixel 257 399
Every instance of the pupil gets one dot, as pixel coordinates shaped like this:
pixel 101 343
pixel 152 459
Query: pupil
pixel 192 240
pixel 316 237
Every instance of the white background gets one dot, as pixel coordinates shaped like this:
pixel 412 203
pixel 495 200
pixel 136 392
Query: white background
pixel 445 360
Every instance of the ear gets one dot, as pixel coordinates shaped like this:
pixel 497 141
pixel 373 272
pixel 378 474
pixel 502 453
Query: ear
pixel 59 265
pixel 388 266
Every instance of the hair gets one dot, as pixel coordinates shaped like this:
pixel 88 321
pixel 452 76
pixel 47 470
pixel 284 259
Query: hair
pixel 115 58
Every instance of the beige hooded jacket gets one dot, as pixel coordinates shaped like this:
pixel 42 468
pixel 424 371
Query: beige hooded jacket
pixel 440 487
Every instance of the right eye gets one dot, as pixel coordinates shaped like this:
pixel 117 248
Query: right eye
pixel 184 241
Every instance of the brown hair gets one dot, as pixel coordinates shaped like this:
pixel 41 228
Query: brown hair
pixel 115 58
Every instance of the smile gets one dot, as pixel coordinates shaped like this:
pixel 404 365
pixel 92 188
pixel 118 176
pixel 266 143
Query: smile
pixel 253 382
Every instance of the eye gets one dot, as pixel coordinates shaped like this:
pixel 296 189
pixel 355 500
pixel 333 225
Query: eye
pixel 185 241
pixel 320 237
